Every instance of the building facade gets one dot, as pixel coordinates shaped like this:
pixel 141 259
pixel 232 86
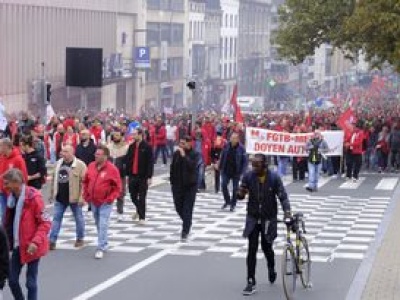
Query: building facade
pixel 166 29
pixel 254 46
pixel 38 31
pixel 229 46
pixel 213 86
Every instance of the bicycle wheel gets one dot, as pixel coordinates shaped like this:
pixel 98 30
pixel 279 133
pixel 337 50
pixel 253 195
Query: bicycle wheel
pixel 289 273
pixel 305 263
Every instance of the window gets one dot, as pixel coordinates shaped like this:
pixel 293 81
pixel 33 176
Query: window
pixel 231 47
pixel 190 31
pixel 168 5
pixel 153 34
pixel 226 48
pixel 177 34
pixel 177 5
pixel 231 21
pixel 153 4
pixel 165 32
pixel 226 21
pixel 152 75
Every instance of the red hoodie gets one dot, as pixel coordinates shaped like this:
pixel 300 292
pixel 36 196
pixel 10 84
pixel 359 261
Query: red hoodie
pixel 160 135
pixel 34 226
pixel 14 160
pixel 101 186
pixel 355 141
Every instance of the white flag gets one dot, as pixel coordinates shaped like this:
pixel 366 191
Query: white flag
pixel 49 113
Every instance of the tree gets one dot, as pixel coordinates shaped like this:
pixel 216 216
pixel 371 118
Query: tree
pixel 369 26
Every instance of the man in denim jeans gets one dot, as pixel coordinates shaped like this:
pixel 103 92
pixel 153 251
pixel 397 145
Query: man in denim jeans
pixel 27 225
pixel 101 186
pixel 315 147
pixel 66 191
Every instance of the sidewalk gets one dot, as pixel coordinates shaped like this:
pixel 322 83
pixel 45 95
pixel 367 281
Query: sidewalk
pixel 384 279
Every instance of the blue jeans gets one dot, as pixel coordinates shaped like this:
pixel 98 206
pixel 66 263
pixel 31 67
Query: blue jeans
pixel 101 216
pixel 225 182
pixel 3 206
pixel 163 150
pixel 313 173
pixel 59 210
pixel 282 165
pixel 31 277
pixel 201 182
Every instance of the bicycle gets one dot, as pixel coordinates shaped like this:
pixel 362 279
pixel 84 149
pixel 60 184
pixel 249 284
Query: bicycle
pixel 296 259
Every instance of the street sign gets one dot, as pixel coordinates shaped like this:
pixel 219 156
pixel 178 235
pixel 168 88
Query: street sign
pixel 142 58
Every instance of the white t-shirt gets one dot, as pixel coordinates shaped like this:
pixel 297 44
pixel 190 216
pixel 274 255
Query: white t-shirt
pixel 171 131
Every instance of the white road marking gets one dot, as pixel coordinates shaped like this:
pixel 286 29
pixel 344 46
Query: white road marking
pixel 387 184
pixel 350 185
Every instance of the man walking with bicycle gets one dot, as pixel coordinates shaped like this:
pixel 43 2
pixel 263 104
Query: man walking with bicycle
pixel 264 187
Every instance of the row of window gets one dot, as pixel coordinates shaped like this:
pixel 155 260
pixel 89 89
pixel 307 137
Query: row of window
pixel 159 32
pixel 174 70
pixel 228 47
pixel 196 31
pixel 170 5
pixel 228 70
pixel 230 21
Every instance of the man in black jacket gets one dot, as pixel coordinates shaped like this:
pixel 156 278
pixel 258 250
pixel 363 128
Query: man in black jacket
pixel 4 260
pixel 139 166
pixel 264 187
pixel 34 161
pixel 183 178
pixel 86 148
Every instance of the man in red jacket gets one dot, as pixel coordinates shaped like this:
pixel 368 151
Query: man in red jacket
pixel 160 134
pixel 354 145
pixel 27 225
pixel 10 157
pixel 101 186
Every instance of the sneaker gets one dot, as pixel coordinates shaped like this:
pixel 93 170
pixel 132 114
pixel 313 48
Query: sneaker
pixel 224 206
pixel 355 180
pixel 142 222
pixel 135 216
pixel 99 254
pixel 232 209
pixel 250 288
pixel 79 243
pixel 271 275
pixel 309 189
pixel 120 218
pixel 53 246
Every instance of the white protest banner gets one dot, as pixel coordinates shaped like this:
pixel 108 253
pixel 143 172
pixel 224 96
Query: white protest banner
pixel 271 142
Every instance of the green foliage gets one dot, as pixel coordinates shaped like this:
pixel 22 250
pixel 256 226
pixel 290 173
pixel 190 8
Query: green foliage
pixel 372 26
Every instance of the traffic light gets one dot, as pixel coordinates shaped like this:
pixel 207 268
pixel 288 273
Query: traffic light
pixel 47 97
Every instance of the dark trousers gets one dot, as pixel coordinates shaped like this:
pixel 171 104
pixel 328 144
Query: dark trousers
pixel 184 199
pixel 163 150
pixel 217 180
pixel 225 182
pixel 253 249
pixel 335 164
pixel 120 199
pixel 31 277
pixel 299 168
pixel 353 165
pixel 138 190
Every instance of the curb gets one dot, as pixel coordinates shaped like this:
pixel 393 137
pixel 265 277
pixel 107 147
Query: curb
pixel 360 280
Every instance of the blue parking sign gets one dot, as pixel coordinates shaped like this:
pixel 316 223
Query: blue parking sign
pixel 142 57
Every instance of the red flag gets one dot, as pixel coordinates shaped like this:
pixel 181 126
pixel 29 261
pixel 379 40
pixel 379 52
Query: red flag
pixel 238 117
pixel 346 119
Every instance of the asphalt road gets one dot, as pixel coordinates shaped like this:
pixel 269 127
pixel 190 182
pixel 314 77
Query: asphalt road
pixel 149 262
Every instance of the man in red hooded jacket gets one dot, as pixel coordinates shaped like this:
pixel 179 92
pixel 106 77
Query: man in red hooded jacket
pixel 354 145
pixel 27 225
pixel 101 186
pixel 10 157
pixel 160 134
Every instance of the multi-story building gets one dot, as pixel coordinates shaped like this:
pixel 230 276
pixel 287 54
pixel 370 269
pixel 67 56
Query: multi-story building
pixel 254 46
pixel 197 50
pixel 166 31
pixel 229 46
pixel 213 86
pixel 36 31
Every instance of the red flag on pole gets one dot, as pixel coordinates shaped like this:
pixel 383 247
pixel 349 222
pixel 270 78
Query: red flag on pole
pixel 238 117
pixel 346 119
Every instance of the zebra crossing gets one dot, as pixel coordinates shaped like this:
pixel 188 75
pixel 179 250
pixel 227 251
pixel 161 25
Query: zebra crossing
pixel 338 226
